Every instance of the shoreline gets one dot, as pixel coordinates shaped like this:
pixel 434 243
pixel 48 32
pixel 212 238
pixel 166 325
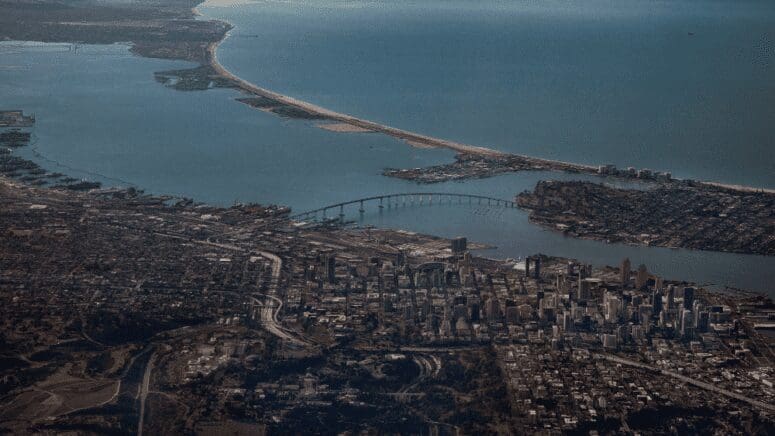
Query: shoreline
pixel 411 138
pixel 250 88
pixel 185 33
pixel 711 220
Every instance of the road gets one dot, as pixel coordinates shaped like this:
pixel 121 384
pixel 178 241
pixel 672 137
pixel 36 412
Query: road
pixel 269 311
pixel 82 317
pixel 269 320
pixel 689 380
pixel 143 394
pixel 429 365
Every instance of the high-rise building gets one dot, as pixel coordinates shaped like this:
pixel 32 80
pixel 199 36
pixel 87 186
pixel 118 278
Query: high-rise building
pixel 571 269
pixel 512 315
pixel 622 334
pixel 636 332
pixel 656 302
pixel 609 341
pixel 331 268
pixel 703 322
pixel 583 290
pixel 567 322
pixel 612 307
pixel 686 323
pixel 624 271
pixel 459 245
pixel 645 312
pixel 537 268
pixel 492 309
pixel 642 277
pixel 475 312
pixel 688 298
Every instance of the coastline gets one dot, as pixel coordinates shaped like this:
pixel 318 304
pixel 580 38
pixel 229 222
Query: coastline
pixel 711 220
pixel 184 33
pixel 411 138
pixel 250 88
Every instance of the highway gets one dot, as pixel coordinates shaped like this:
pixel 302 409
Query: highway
pixel 269 312
pixel 143 394
pixel 429 365
pixel 689 380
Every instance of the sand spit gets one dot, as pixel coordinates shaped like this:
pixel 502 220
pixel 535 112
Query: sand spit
pixel 343 128
pixel 339 117
pixel 347 123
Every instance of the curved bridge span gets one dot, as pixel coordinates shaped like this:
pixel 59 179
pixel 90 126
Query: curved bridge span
pixel 404 199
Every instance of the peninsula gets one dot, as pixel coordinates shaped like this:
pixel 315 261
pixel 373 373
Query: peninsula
pixel 700 217
pixel 171 30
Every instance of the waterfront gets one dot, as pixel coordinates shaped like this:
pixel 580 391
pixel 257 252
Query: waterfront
pixel 206 146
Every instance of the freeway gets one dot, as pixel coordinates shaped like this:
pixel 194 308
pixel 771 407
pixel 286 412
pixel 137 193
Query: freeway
pixel 269 320
pixel 268 315
pixel 269 311
pixel 429 365
pixel 143 394
pixel 689 380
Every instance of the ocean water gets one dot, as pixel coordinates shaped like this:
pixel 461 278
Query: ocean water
pixel 686 86
pixel 101 115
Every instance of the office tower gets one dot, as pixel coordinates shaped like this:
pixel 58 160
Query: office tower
pixel 567 322
pixel 583 291
pixel 492 309
pixel 612 309
pixel 609 341
pixel 459 245
pixel 703 322
pixel 624 272
pixel 642 277
pixel 686 323
pixel 537 268
pixel 331 268
pixel 688 298
pixel 656 301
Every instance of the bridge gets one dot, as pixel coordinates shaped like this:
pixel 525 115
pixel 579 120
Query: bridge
pixel 403 199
